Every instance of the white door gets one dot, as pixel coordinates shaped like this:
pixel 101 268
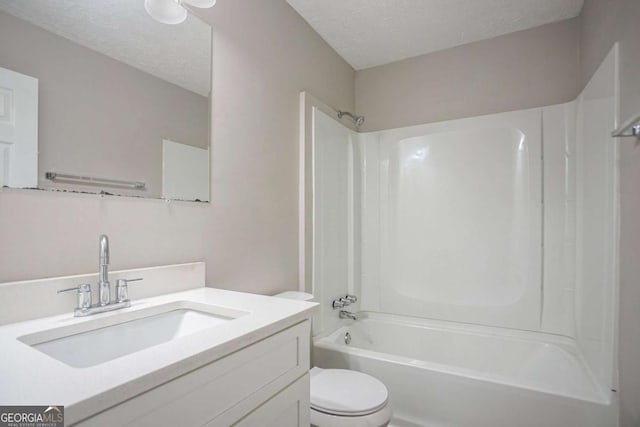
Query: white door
pixel 18 130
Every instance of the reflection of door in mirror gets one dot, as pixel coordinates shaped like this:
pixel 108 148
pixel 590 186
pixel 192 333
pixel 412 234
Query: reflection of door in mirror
pixel 18 129
pixel 185 172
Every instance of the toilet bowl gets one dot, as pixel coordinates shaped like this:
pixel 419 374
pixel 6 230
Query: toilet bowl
pixel 345 398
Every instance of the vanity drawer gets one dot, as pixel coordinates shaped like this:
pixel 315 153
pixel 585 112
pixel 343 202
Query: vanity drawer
pixel 258 371
pixel 288 408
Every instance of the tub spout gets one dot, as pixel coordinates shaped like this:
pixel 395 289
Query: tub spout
pixel 344 314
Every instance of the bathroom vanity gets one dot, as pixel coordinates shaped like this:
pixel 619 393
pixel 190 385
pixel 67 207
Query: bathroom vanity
pixel 201 356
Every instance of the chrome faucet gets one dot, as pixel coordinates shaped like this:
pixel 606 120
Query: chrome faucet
pixel 344 301
pixel 344 314
pixel 85 308
pixel 104 288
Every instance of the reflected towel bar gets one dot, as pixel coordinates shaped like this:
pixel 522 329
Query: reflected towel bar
pixel 630 128
pixel 55 176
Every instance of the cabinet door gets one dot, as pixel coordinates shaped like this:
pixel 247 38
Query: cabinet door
pixel 289 408
pixel 233 385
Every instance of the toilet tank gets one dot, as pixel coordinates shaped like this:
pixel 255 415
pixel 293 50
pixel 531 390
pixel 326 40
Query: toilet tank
pixel 300 296
pixel 303 296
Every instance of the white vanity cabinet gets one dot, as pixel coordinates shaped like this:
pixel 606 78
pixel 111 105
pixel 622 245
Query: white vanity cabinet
pixel 265 383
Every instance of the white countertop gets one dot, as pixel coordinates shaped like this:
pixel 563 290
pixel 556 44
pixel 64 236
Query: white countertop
pixel 30 377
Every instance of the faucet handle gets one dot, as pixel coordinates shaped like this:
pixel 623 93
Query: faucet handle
pixel 129 280
pixel 337 304
pixel 351 298
pixel 84 295
pixel 122 289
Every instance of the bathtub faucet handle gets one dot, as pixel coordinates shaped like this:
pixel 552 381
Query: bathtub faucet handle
pixel 337 304
pixel 351 298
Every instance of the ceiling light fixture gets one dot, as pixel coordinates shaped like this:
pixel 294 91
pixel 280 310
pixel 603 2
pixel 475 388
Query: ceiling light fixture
pixel 173 11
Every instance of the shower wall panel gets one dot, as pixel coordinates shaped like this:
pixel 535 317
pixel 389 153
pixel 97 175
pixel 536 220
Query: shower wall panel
pixel 597 221
pixel 333 259
pixel 453 221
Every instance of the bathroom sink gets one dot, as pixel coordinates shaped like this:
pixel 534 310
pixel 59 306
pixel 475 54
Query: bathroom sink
pixel 108 342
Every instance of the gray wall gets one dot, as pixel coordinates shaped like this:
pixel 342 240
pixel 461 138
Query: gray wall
pixel 98 116
pixel 603 23
pixel 264 54
pixel 527 69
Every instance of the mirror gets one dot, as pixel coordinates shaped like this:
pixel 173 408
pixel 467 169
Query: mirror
pixel 96 96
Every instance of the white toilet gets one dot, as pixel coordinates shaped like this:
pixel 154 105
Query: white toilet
pixel 345 398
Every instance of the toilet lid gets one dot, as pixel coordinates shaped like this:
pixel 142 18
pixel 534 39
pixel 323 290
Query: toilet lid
pixel 345 392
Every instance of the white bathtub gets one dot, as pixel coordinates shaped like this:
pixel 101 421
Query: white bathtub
pixel 441 374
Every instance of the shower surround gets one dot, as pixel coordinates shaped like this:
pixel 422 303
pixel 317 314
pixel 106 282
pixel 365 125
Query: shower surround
pixel 484 253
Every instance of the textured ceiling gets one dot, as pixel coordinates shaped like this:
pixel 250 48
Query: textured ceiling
pixel 121 29
pixel 367 33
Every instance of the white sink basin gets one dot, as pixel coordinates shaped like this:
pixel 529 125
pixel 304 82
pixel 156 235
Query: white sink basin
pixel 107 342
